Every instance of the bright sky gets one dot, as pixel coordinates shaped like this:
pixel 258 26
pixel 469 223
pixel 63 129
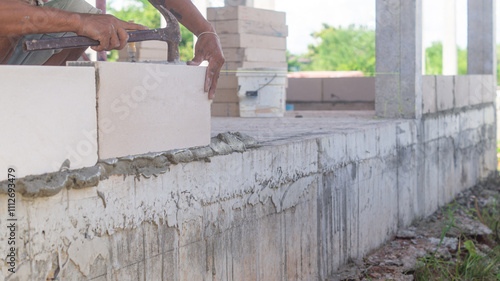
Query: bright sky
pixel 306 17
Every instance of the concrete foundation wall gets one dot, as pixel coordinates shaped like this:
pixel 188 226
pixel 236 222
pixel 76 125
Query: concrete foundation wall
pixel 290 210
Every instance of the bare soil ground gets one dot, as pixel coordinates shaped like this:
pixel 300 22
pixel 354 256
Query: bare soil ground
pixel 436 248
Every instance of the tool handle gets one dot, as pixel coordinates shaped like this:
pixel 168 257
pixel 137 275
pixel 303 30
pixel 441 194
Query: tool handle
pixel 82 41
pixel 59 43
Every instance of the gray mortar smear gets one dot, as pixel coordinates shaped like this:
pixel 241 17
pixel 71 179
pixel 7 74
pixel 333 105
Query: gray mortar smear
pixel 145 165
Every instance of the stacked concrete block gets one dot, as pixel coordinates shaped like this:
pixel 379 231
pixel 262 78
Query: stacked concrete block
pixel 429 94
pixel 226 100
pixel 250 38
pixel 461 91
pixel 448 93
pixel 145 51
pixel 342 93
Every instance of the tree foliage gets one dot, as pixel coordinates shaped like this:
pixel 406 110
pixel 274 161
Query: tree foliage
pixel 434 59
pixel 142 12
pixel 351 48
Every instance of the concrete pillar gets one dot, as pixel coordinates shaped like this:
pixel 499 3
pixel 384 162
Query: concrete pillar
pixel 450 57
pixel 248 3
pixel 481 56
pixel 398 82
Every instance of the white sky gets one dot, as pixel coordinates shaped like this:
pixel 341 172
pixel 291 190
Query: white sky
pixel 306 17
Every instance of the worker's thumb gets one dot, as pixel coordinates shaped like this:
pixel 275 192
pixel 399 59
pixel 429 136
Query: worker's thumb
pixel 195 61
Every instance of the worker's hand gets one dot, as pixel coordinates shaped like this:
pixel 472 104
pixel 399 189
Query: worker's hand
pixel 107 29
pixel 208 48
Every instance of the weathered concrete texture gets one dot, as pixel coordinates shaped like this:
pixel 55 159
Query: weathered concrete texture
pixel 319 192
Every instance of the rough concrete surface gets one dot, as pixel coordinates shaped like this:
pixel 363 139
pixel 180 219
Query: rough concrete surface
pixel 315 191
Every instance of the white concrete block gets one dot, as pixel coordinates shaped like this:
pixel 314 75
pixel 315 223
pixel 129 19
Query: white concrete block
pixel 246 13
pixel 444 91
pixel 252 41
pixel 227 82
pixel 489 89
pixel 461 91
pixel 48 115
pixel 475 89
pixel 250 27
pixel 151 108
pixel 254 55
pixel 232 66
pixel 429 94
pixel 248 3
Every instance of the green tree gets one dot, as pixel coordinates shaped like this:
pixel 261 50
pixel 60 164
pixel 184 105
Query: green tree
pixel 144 13
pixel 293 62
pixel 351 48
pixel 434 59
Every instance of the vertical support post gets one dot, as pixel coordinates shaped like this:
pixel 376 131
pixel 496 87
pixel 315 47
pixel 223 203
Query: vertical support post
pixel 101 4
pixel 481 54
pixel 450 56
pixel 398 83
pixel 248 3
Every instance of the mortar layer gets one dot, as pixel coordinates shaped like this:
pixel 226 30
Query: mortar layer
pixel 145 165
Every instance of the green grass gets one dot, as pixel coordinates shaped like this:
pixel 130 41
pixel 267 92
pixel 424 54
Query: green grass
pixel 467 263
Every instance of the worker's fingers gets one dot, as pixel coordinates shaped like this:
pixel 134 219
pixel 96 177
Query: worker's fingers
pixel 123 36
pixel 213 86
pixel 114 40
pixel 214 66
pixel 208 48
pixel 105 42
pixel 197 60
pixel 132 26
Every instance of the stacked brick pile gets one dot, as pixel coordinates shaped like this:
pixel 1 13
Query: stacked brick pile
pixel 250 38
pixel 146 51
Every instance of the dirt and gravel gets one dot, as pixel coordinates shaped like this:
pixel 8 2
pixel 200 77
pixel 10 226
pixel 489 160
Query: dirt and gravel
pixel 440 234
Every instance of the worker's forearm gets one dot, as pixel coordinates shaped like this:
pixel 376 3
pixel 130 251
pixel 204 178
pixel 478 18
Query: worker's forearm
pixel 19 18
pixel 189 16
